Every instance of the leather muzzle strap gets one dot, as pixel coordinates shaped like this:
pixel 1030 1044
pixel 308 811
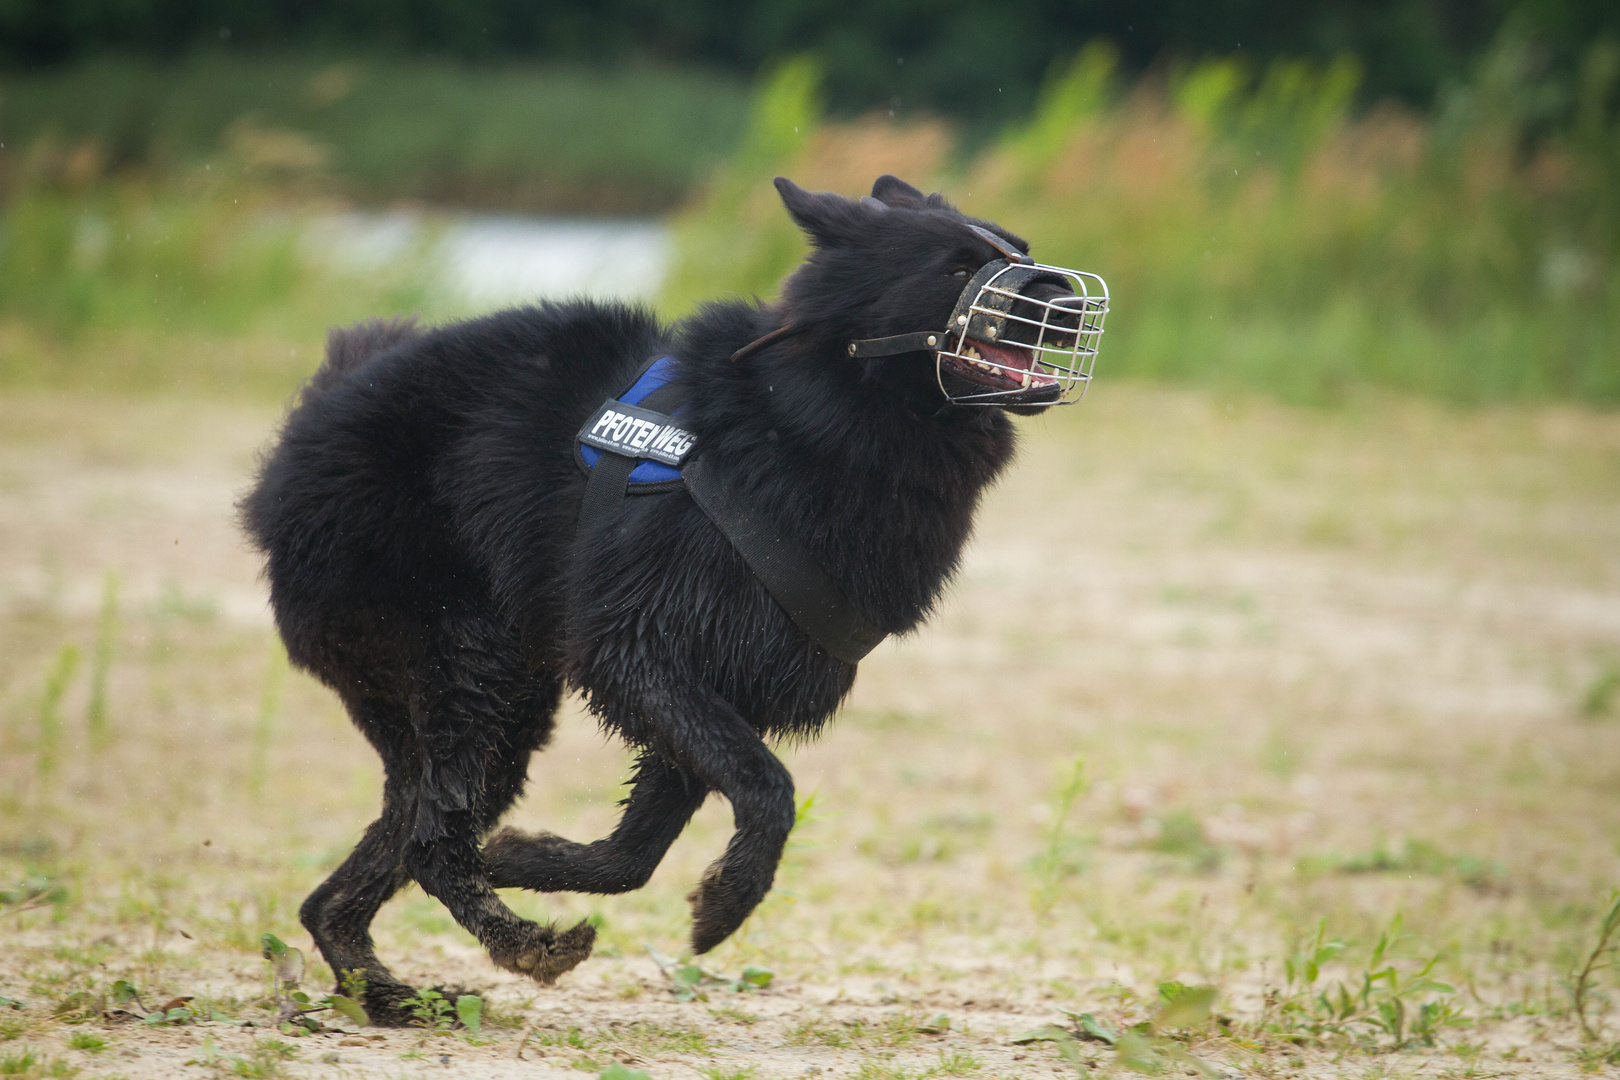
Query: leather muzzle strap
pixel 894 346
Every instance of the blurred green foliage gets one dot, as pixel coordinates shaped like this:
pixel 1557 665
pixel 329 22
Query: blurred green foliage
pixel 1256 227
pixel 632 139
pixel 120 256
pixel 206 257
pixel 1255 232
pixel 198 283
pixel 709 246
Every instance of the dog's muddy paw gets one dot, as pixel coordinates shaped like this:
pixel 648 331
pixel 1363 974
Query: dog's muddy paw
pixel 714 911
pixel 543 954
pixel 384 1005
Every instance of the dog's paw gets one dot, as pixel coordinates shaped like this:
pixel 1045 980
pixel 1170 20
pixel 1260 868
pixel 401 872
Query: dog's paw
pixel 715 911
pixel 384 1004
pixel 541 953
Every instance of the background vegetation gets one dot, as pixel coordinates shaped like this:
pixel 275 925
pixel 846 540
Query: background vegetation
pixel 1258 227
pixel 604 140
pixel 1254 228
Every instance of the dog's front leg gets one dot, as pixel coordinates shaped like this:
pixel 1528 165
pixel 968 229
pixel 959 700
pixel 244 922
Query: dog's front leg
pixel 662 800
pixel 707 737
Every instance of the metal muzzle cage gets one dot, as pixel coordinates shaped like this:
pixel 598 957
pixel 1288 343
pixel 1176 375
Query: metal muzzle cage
pixel 1024 347
pixel 1009 341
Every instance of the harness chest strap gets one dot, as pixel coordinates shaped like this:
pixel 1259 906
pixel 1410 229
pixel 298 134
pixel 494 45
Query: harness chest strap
pixel 785 567
pixel 625 434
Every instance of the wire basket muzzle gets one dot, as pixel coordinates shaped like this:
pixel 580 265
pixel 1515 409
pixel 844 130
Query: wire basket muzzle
pixel 1024 333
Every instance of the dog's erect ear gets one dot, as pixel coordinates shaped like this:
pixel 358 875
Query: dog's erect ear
pixel 895 192
pixel 827 217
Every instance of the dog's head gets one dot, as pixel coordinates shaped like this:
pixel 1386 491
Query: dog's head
pixel 937 305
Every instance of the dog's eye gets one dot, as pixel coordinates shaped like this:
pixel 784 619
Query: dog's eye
pixel 959 272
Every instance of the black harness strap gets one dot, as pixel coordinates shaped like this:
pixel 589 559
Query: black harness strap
pixel 604 494
pixel 784 566
pixel 786 569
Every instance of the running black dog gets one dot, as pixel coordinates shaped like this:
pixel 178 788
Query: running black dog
pixel 420 512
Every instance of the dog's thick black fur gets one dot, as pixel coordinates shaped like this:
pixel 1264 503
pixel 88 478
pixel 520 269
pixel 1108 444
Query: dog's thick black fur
pixel 418 515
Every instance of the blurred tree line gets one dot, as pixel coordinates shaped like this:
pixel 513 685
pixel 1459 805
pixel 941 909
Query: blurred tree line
pixel 978 62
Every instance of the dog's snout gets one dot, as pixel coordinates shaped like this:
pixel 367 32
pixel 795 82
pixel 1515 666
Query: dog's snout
pixel 1045 311
pixel 1046 291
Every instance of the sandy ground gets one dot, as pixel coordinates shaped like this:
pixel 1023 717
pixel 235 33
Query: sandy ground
pixel 1317 668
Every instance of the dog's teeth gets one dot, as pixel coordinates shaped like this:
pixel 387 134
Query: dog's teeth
pixel 1026 380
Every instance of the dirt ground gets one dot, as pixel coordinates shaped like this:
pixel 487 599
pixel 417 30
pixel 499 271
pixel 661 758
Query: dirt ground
pixel 1216 673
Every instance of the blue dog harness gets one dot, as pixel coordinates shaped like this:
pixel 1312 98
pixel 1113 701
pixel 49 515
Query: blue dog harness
pixel 664 448
pixel 634 445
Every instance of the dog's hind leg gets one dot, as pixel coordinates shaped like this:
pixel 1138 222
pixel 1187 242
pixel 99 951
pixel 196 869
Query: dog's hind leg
pixel 338 914
pixel 662 800
pixel 478 711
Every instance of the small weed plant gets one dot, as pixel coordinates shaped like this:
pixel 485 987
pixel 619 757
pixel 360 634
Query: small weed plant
pixel 125 999
pixel 265 1061
pixel 688 982
pixel 1590 1002
pixel 26 1064
pixel 617 1071
pixel 1055 863
pixel 1153 1046
pixel 730 1072
pixel 295 1008
pixel 956 1063
pixel 96 717
pixel 432 1011
pixel 50 708
pixel 1381 1005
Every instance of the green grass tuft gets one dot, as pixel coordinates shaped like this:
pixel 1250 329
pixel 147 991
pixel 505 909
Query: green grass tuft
pixel 88 1041
pixel 96 718
pixel 50 707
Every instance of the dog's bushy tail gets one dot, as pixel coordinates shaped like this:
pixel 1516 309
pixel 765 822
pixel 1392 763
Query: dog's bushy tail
pixel 347 347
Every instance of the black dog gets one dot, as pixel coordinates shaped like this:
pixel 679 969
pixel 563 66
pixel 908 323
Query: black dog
pixel 419 518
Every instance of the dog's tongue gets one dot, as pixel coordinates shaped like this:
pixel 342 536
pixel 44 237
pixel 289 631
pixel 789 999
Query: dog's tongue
pixel 1012 356
pixel 1003 366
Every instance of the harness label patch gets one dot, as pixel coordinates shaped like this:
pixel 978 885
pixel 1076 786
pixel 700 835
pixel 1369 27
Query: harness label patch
pixel 631 431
